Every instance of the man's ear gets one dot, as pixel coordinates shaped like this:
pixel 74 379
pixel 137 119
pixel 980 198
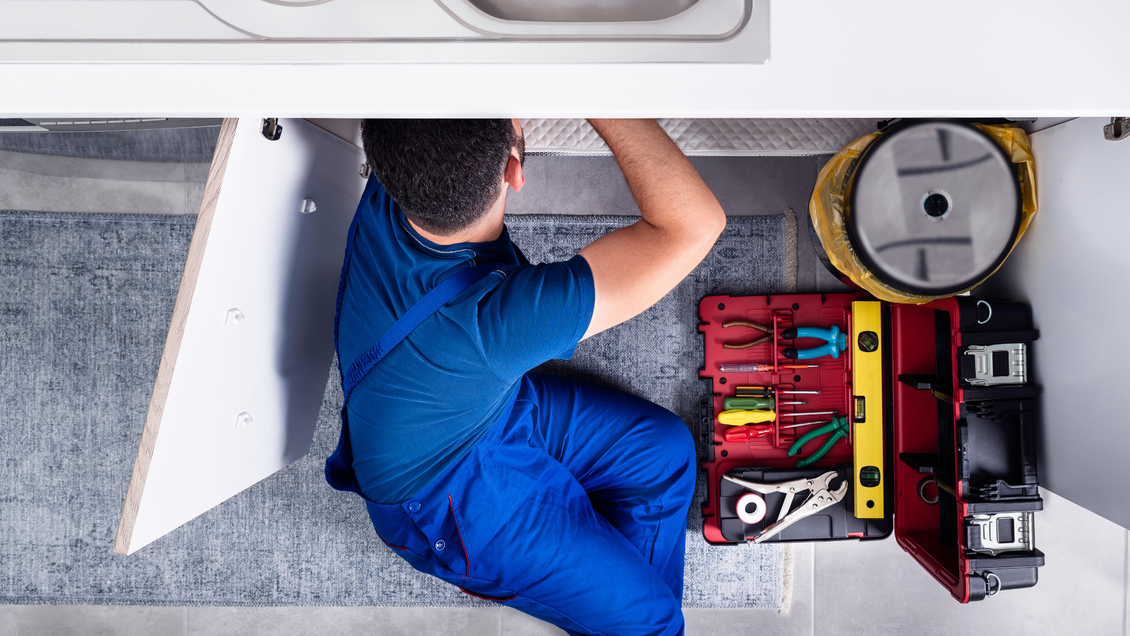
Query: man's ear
pixel 513 174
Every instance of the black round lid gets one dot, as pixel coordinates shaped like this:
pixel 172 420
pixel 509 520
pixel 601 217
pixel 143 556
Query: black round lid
pixel 935 207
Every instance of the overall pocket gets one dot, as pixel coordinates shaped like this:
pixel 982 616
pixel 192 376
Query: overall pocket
pixel 468 528
pixel 460 563
pixel 445 538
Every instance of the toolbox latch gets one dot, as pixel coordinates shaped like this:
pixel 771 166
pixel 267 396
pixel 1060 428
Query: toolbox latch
pixel 995 364
pixel 998 533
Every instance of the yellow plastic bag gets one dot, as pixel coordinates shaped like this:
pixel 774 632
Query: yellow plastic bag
pixel 828 206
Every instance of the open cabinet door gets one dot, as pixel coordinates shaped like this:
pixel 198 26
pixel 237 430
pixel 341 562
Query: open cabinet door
pixel 1073 267
pixel 250 343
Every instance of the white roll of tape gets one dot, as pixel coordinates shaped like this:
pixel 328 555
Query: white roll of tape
pixel 758 512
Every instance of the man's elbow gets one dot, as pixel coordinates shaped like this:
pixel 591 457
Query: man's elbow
pixel 697 232
pixel 719 222
pixel 712 225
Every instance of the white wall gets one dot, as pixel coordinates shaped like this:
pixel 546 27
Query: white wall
pixel 1073 266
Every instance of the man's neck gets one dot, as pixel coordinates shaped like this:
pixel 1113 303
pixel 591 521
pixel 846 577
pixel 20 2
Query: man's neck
pixel 488 228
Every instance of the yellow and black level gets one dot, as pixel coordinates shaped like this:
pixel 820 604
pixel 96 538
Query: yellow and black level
pixel 867 408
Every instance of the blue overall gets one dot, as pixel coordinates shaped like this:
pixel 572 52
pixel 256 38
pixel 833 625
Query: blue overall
pixel 571 507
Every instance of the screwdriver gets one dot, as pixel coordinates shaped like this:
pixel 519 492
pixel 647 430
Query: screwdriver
pixel 739 417
pixel 768 391
pixel 807 424
pixel 746 433
pixel 754 368
pixel 752 403
pixel 744 368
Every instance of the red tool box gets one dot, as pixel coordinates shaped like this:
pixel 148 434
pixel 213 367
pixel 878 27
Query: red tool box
pixel 941 450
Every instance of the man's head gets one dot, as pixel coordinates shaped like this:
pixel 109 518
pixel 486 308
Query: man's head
pixel 445 174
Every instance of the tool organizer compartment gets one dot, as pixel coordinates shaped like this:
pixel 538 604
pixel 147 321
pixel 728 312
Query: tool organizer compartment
pixel 978 463
pixel 952 423
pixel 767 457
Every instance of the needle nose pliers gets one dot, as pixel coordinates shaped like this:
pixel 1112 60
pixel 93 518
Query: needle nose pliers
pixel 751 325
pixel 838 429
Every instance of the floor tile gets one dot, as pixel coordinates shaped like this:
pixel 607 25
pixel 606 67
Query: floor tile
pixel 8 619
pixel 91 620
pixel 748 186
pixel 197 171
pixel 876 588
pixel 515 623
pixel 40 193
pixel 764 622
pixel 342 621
pixel 827 283
pixel 717 622
pixel 744 186
pixel 193 196
pixel 52 166
pixel 572 185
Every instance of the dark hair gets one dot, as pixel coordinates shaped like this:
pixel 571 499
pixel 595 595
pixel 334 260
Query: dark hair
pixel 444 173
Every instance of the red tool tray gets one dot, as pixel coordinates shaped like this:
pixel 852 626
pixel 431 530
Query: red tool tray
pixel 982 447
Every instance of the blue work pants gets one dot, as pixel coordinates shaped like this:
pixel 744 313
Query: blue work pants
pixel 571 508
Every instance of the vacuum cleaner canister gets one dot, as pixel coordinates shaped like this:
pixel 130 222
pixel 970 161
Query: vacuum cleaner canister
pixel 935 207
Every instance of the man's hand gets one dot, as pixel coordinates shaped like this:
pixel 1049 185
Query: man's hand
pixel 635 266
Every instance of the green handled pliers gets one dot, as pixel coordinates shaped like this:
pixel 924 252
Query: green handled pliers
pixel 838 429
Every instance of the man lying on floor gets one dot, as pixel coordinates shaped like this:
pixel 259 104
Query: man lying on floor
pixel 562 499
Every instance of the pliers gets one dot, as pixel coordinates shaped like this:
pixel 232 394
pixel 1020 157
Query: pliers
pixel 838 429
pixel 837 342
pixel 743 323
pixel 819 498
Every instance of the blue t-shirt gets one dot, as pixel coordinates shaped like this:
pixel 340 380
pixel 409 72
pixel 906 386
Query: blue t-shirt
pixel 435 394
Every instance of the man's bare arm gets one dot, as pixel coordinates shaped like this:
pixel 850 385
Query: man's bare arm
pixel 635 266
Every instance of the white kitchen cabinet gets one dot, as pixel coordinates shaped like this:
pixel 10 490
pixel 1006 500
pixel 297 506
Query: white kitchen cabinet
pixel 826 58
pixel 243 372
pixel 352 31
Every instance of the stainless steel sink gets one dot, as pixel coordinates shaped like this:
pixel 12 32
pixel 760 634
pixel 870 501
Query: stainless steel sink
pixel 582 10
pixel 355 31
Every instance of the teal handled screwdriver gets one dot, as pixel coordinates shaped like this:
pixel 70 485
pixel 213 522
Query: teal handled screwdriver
pixel 838 429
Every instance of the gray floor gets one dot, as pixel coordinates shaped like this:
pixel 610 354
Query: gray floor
pixel 839 588
pixel 743 185
pixel 43 183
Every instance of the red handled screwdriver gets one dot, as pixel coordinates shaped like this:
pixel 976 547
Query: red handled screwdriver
pixel 746 433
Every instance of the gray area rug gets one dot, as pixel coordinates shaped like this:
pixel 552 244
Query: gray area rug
pixel 170 145
pixel 83 319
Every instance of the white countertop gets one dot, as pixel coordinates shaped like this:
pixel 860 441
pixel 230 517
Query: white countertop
pixel 828 58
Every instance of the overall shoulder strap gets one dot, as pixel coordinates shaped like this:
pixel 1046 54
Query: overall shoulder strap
pixel 339 465
pixel 426 306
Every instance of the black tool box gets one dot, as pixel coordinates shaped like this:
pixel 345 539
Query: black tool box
pixel 941 448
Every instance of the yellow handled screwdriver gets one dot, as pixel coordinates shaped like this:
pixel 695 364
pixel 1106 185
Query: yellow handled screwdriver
pixel 740 417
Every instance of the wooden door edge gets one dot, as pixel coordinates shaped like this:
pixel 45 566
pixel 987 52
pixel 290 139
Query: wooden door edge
pixel 176 334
